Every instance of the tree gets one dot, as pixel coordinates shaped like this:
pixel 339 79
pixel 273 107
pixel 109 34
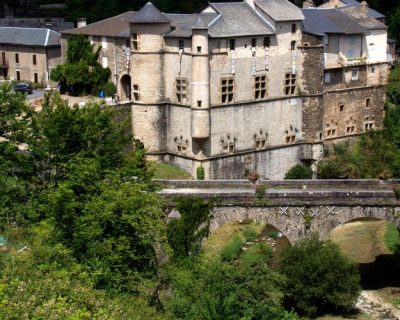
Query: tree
pixel 319 278
pixel 186 233
pixel 62 134
pixel 82 73
pixel 299 171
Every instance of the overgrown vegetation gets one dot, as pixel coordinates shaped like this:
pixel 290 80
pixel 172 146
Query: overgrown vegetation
pixel 319 278
pixel 299 171
pixel 82 73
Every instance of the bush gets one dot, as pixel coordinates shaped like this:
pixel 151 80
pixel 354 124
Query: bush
pixel 329 169
pixel 200 173
pixel 260 191
pixel 319 278
pixel 250 234
pixel 299 171
pixel 109 89
pixel 232 250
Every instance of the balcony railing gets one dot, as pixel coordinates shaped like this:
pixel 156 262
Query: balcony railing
pixel 348 62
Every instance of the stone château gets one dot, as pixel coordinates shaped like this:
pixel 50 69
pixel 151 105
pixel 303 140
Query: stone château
pixel 241 86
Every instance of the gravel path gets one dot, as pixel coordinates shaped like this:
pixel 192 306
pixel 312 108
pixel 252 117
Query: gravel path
pixel 370 304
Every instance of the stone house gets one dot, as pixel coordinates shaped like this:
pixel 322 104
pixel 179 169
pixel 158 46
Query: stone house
pixel 243 86
pixel 28 53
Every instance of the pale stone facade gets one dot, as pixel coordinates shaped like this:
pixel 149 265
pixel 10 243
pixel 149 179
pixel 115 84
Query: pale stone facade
pixel 26 59
pixel 240 86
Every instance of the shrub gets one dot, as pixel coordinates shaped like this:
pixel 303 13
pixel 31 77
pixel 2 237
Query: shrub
pixel 232 250
pixel 260 191
pixel 273 234
pixel 319 278
pixel 329 169
pixel 253 176
pixel 109 89
pixel 299 171
pixel 250 234
pixel 200 173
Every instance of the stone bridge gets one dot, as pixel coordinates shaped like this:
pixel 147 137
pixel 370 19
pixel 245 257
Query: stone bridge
pixel 296 208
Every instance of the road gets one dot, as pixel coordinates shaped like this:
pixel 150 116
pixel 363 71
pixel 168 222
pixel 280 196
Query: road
pixel 35 94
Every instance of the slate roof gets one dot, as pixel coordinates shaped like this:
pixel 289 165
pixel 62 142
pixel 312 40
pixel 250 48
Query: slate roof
pixel 183 23
pixel 280 10
pixel 354 3
pixel 322 21
pixel 117 26
pixel 149 14
pixel 367 22
pixel 237 19
pixel 35 37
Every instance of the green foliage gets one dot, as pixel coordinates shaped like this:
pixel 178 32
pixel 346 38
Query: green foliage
pixel 185 234
pixel 273 234
pixel 232 250
pixel 62 134
pixel 329 169
pixel 249 233
pixel 82 74
pixel 299 171
pixel 46 282
pixel 319 278
pixel 260 191
pixel 246 289
pixel 392 238
pixel 200 173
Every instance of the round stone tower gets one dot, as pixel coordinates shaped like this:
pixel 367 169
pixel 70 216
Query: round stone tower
pixel 200 82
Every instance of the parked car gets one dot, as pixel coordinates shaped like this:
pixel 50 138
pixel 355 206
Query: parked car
pixel 23 87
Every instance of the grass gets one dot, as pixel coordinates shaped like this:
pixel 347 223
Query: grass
pixel 390 295
pixel 223 235
pixel 371 234
pixel 392 238
pixel 168 171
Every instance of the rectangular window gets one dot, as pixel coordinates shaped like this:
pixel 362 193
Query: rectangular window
pixel 253 42
pixel 293 45
pixel 135 92
pixel 18 73
pixel 341 107
pixel 104 62
pixel 104 42
pixel 90 39
pixel 3 58
pixel 34 59
pixel 134 41
pixel 260 87
pixel 267 42
pixel 227 90
pixel 35 78
pixel 367 103
pixel 294 28
pixel 290 84
pixel 16 58
pixel 181 90
pixel 181 44
pixel 354 74
pixel 232 44
pixel 327 77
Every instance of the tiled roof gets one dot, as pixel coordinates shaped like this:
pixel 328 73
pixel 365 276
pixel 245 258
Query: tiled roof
pixel 354 3
pixel 237 19
pixel 183 23
pixel 367 22
pixel 37 37
pixel 280 10
pixel 149 14
pixel 117 26
pixel 322 21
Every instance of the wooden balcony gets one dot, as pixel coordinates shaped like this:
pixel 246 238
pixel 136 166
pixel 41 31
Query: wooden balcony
pixel 349 62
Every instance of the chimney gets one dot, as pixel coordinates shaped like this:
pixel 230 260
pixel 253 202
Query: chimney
pixel 364 8
pixel 308 4
pixel 81 22
pixel 334 3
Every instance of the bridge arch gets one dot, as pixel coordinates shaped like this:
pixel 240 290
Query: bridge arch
pixel 296 222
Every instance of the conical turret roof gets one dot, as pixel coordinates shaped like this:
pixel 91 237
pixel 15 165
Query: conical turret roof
pixel 149 14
